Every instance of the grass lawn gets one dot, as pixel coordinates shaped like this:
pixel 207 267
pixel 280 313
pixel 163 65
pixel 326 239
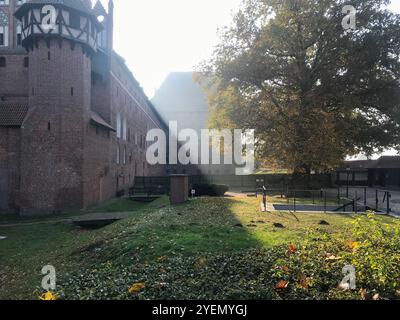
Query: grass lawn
pixel 207 248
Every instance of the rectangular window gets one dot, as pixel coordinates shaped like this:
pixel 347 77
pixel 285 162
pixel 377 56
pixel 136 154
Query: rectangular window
pixel 19 35
pixel 4 36
pixel 74 20
pixel 119 125
pixel 124 130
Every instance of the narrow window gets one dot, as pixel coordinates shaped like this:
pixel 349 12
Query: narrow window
pixel 2 62
pixel 119 126
pixel 74 20
pixel 48 55
pixel 49 126
pixel 19 35
pixel 72 91
pixel 26 62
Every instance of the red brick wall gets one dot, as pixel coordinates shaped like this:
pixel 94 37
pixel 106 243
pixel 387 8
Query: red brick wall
pixel 59 161
pixel 9 169
pixel 128 99
pixel 14 79
pixel 53 133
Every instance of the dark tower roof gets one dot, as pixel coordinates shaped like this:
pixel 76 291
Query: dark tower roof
pixel 76 4
pixel 80 5
pixel 98 9
pixel 62 29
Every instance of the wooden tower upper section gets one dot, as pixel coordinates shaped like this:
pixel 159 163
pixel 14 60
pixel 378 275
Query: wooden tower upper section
pixel 72 20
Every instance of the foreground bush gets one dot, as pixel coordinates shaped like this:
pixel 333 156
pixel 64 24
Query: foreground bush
pixel 311 269
pixel 316 268
pixel 212 190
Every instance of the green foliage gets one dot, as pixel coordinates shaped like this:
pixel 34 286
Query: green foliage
pixel 208 248
pixel 212 190
pixel 315 269
pixel 313 91
pixel 243 275
pixel 376 256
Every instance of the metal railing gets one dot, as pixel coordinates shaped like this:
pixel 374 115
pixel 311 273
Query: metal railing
pixel 330 200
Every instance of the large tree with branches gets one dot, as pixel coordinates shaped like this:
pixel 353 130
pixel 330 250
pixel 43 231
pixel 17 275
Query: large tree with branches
pixel 314 91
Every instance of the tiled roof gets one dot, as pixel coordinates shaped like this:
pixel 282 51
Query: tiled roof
pixel 12 115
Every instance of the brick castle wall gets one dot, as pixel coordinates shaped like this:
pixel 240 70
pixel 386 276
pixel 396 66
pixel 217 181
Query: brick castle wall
pixel 59 160
pixel 53 133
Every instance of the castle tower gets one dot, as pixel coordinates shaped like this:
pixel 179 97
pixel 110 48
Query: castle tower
pixel 60 37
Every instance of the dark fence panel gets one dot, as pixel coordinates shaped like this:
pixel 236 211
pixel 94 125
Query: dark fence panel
pixel 247 183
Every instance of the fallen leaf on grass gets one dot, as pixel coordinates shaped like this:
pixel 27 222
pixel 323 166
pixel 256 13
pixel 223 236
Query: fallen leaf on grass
pixel 136 288
pixel 352 245
pixel 285 269
pixel 364 294
pixel 48 296
pixel 292 248
pixel 344 286
pixel 201 262
pixel 332 257
pixel 282 285
pixel 304 282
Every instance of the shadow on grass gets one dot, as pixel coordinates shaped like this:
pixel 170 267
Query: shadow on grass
pixel 160 232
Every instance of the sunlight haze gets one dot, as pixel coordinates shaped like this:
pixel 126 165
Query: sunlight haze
pixel 157 37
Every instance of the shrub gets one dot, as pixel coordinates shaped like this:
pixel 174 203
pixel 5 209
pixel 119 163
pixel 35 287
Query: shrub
pixel 376 256
pixel 315 269
pixel 212 190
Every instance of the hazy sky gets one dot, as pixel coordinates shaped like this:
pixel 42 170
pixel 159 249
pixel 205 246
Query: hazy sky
pixel 157 37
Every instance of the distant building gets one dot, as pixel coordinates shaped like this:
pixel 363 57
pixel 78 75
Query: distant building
pixel 384 172
pixel 73 119
pixel 180 98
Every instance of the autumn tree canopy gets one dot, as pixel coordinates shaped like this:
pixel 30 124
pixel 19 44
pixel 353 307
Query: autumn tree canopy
pixel 314 91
